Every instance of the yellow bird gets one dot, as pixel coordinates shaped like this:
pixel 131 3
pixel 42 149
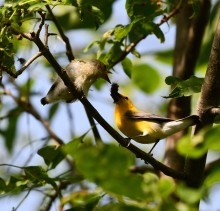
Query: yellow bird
pixel 145 128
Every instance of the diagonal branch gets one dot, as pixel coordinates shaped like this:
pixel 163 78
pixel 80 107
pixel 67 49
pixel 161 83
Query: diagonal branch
pixel 69 52
pixel 67 81
pixel 28 107
pixel 71 57
pixel 123 142
pixel 135 43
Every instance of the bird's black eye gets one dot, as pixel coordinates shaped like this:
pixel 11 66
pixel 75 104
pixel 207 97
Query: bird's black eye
pixel 126 98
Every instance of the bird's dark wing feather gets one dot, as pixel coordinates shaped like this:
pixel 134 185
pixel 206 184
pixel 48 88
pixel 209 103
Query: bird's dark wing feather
pixel 146 116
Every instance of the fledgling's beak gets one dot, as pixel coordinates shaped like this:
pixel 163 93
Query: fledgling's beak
pixel 114 93
pixel 105 76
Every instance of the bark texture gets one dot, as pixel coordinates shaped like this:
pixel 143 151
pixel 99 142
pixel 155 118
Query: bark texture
pixel 189 34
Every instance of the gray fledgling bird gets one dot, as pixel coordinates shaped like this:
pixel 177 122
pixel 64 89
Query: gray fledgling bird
pixel 83 74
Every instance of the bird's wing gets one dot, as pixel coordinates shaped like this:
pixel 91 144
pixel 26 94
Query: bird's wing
pixel 146 116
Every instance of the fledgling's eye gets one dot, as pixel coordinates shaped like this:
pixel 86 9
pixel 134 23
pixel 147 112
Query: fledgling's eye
pixel 126 98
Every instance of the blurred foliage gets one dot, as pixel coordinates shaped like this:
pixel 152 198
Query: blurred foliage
pixel 95 177
pixel 184 87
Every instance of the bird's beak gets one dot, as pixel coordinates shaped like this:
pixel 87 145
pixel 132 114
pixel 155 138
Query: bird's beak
pixel 105 76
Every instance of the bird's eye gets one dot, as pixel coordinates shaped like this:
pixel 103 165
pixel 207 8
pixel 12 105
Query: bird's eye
pixel 126 98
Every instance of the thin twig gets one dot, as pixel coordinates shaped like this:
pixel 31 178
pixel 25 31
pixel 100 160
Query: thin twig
pixel 123 142
pixel 69 52
pixel 42 15
pixel 26 65
pixel 46 35
pixel 28 107
pixel 71 57
pixel 53 196
pixel 143 169
pixel 93 126
pixel 132 45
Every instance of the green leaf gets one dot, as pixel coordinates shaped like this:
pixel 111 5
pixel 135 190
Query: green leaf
pixel 10 132
pixel 108 166
pixel 113 54
pixel 85 14
pixel 82 200
pixel 192 147
pixel 16 184
pixel 189 195
pixel 211 136
pixel 2 186
pixel 88 10
pixel 38 176
pixel 120 31
pixel 185 88
pixel 213 177
pixel 147 9
pixel 52 155
pixel 165 57
pixel 121 207
pixel 171 80
pixel 166 187
pixel 127 66
pixel 146 77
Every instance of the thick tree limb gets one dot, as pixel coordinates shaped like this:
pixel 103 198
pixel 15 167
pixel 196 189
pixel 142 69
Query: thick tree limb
pixel 209 98
pixel 189 36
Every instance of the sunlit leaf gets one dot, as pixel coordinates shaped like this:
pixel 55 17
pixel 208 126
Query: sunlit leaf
pixel 213 177
pixel 192 146
pixel 184 192
pixel 120 32
pixel 38 176
pixel 127 66
pixel 211 138
pixel 146 77
pixel 112 171
pixel 166 186
pixel 82 200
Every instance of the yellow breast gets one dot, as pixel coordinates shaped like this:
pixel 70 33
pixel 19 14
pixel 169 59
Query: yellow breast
pixel 139 130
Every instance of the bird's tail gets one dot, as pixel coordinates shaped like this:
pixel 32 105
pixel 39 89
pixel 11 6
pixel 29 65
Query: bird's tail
pixel 192 120
pixel 172 127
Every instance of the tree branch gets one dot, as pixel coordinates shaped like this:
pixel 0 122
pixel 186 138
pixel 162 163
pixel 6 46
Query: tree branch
pixel 69 52
pixel 71 57
pixel 67 81
pixel 209 167
pixel 26 65
pixel 191 30
pixel 135 43
pixel 28 107
pixel 209 98
pixel 93 126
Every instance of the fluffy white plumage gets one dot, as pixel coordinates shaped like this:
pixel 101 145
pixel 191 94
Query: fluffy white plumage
pixel 83 74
